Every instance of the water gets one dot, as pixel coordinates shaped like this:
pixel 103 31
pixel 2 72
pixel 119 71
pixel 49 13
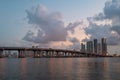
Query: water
pixel 60 69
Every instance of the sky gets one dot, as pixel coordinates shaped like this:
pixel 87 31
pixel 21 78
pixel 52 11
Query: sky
pixel 59 23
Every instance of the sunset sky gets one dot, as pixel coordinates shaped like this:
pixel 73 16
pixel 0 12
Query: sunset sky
pixel 59 23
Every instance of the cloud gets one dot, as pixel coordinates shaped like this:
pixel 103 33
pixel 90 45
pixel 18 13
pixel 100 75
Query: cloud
pixel 97 31
pixel 112 9
pixel 99 16
pixel 114 39
pixel 49 29
pixel 116 28
pixel 71 26
pixel 75 43
pixel 111 12
pixel 50 26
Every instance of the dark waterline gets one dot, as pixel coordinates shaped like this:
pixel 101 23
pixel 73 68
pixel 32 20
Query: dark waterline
pixel 60 69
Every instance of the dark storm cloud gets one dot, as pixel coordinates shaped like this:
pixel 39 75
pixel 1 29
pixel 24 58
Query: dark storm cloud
pixel 100 16
pixel 97 31
pixel 112 12
pixel 112 9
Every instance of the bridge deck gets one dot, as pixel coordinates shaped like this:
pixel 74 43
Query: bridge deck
pixel 47 50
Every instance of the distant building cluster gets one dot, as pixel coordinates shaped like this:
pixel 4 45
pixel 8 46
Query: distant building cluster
pixel 95 46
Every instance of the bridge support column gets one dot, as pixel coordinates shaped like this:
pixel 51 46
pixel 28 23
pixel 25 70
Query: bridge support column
pixel 62 54
pixel 69 54
pixel 34 54
pixel 53 53
pixel 76 55
pixel 47 54
pixel 92 55
pixel 21 54
pixel 1 53
pixel 57 55
pixel 42 53
pixel 50 53
pixel 88 55
pixel 65 54
pixel 72 54
pixel 38 54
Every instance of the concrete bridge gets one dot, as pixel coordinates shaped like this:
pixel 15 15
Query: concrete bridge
pixel 48 52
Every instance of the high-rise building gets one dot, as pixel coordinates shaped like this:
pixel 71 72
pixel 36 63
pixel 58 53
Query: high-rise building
pixel 82 47
pixel 104 46
pixel 95 46
pixel 99 48
pixel 89 47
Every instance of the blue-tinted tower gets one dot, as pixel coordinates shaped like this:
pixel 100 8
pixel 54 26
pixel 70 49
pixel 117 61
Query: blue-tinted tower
pixel 95 46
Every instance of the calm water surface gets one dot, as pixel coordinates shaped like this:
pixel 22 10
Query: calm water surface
pixel 60 69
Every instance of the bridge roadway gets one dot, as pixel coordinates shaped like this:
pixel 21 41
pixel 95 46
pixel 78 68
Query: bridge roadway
pixel 49 52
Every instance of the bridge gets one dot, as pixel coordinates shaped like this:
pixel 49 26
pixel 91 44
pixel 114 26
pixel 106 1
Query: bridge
pixel 48 52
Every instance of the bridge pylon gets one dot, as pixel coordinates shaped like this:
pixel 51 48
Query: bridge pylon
pixel 21 54
pixel 1 53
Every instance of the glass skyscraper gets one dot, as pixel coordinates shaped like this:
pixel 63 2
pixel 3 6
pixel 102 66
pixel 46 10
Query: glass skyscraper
pixel 90 46
pixel 99 48
pixel 95 46
pixel 82 47
pixel 104 46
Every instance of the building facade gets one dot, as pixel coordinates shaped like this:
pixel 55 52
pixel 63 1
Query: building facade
pixel 95 46
pixel 89 47
pixel 99 48
pixel 82 47
pixel 104 46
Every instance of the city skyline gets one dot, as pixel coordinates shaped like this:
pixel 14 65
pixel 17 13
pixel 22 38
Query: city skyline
pixel 60 24
pixel 93 46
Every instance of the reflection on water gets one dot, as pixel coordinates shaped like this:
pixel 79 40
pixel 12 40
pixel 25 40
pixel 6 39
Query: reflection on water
pixel 2 68
pixel 59 69
pixel 23 68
